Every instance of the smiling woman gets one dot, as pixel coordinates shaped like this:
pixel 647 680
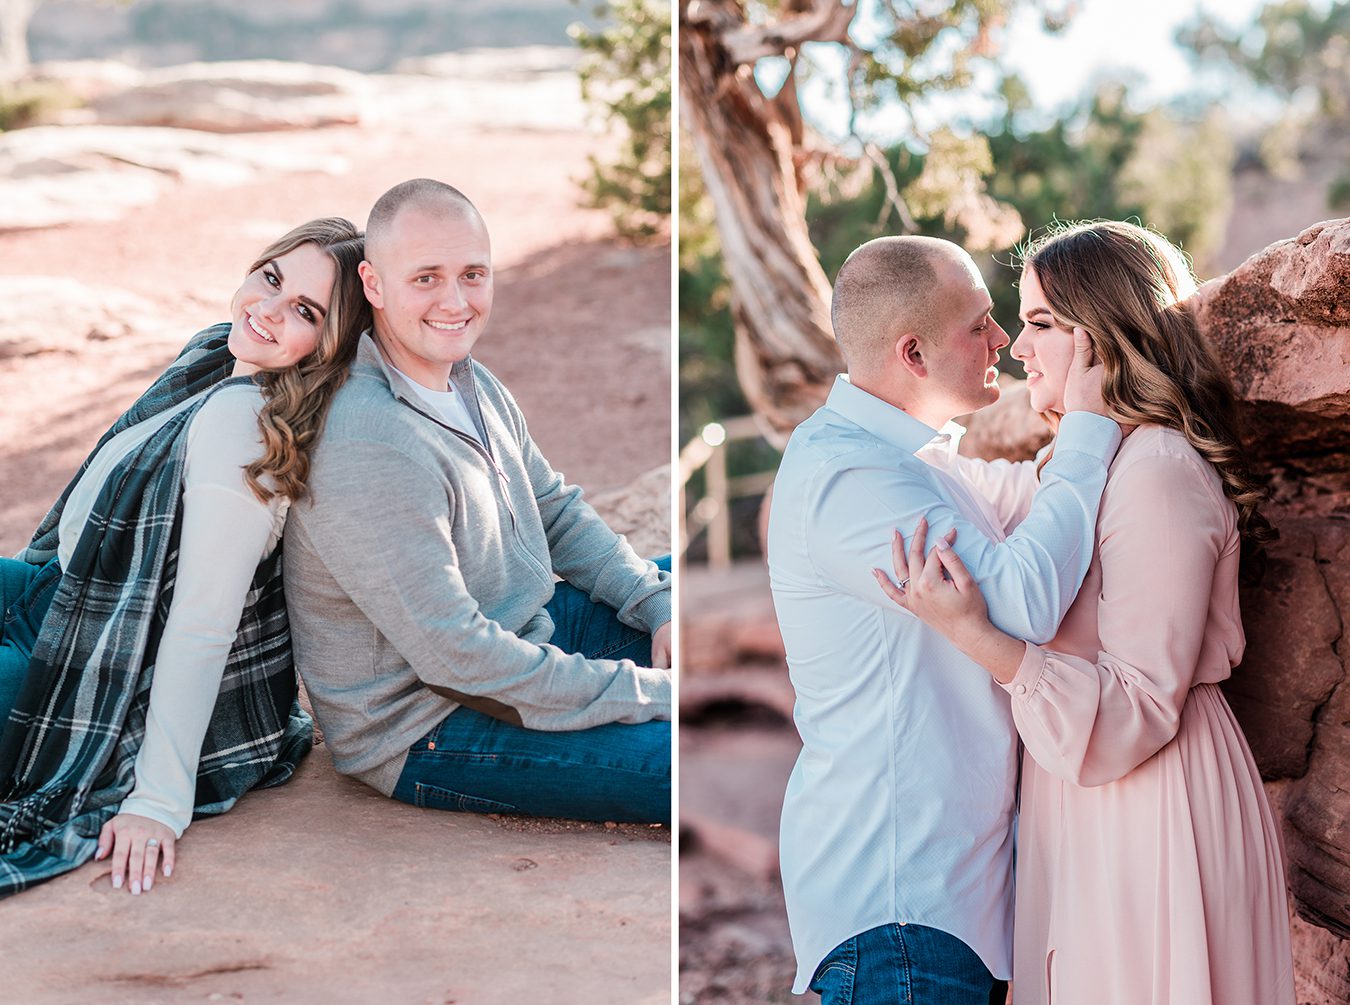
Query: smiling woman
pixel 220 440
pixel 280 305
pixel 1044 348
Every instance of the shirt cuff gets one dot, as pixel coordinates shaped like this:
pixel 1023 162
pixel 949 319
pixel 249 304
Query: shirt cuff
pixel 1089 433
pixel 1023 683
pixel 146 808
pixel 653 611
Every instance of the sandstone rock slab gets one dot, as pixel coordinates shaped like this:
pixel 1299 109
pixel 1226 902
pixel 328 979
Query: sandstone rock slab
pixel 1281 323
pixel 323 890
pixel 53 175
pixel 61 314
pixel 237 97
pixel 1318 808
pixel 640 511
pixel 1290 668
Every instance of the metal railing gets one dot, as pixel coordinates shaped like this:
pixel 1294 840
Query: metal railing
pixel 712 511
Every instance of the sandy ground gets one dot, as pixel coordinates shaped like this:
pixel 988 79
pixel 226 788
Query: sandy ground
pixel 322 890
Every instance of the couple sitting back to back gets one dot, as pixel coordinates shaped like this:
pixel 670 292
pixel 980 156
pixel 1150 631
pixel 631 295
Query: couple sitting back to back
pixel 1086 604
pixel 146 659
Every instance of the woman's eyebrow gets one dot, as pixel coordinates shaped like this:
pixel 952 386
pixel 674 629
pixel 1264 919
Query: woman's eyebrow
pixel 313 305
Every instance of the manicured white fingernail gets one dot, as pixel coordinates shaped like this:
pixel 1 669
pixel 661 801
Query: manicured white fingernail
pixel 149 882
pixel 135 888
pixel 943 544
pixel 168 870
pixel 117 882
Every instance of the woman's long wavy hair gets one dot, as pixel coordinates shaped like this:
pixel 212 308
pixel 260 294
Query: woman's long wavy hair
pixel 1128 287
pixel 296 398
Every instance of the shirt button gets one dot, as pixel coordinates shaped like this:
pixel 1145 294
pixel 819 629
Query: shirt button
pixel 1021 689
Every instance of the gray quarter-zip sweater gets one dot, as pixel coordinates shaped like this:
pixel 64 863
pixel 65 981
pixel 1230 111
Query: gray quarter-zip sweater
pixel 418 568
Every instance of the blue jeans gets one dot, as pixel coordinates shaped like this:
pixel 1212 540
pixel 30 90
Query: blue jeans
pixel 26 592
pixel 473 762
pixel 909 964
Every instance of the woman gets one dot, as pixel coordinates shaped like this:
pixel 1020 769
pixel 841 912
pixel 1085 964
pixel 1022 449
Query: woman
pixel 1149 866
pixel 145 621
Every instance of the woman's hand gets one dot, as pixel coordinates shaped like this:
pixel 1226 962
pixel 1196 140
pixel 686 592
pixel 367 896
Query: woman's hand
pixel 940 590
pixel 137 844
pixel 1083 385
pixel 937 588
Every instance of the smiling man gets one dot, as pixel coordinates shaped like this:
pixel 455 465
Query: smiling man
pixel 446 666
pixel 897 827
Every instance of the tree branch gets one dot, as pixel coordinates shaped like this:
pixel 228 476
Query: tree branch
pixel 894 201
pixel 828 22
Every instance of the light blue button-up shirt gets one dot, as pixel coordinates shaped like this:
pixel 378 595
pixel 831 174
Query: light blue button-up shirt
pixel 901 805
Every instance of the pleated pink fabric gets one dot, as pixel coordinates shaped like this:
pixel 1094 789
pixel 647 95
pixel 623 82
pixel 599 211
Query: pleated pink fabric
pixel 1149 867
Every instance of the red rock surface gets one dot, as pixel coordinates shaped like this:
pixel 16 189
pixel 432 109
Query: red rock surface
pixel 322 891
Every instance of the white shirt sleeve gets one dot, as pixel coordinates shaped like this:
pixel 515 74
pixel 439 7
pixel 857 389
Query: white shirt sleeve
pixel 226 531
pixel 1029 580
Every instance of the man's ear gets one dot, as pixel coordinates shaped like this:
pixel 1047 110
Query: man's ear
pixel 370 282
pixel 909 354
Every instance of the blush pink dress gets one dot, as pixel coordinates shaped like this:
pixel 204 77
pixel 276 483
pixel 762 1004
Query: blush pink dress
pixel 1149 866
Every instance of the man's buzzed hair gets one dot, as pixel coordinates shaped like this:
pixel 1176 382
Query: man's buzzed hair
pixel 424 193
pixel 886 287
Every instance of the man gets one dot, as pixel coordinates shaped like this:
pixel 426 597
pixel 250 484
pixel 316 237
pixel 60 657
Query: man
pixel 896 841
pixel 445 667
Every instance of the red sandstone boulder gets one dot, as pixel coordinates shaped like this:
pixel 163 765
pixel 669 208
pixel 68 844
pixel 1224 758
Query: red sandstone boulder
pixel 1282 322
pixel 1290 668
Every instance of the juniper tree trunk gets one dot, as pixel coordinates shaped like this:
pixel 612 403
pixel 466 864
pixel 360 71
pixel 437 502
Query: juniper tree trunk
pixel 785 354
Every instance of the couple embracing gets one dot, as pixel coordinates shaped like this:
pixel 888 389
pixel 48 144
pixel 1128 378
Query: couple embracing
pixel 149 652
pixel 1035 696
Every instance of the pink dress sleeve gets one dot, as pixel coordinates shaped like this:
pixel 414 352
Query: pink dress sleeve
pixel 1008 486
pixel 1164 524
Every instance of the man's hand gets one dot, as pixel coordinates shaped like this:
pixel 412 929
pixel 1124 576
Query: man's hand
pixel 661 647
pixel 136 844
pixel 1083 386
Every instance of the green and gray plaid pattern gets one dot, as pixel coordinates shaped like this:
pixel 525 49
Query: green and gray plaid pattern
pixel 68 751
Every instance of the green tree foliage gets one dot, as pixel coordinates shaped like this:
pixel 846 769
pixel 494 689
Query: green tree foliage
pixel 1102 159
pixel 625 72
pixel 30 102
pixel 1291 48
pixel 1300 51
pixel 708 386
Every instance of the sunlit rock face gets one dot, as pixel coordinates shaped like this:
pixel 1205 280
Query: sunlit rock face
pixel 1281 323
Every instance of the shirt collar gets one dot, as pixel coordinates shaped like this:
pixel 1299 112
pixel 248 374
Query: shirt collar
pixel 368 356
pixel 886 422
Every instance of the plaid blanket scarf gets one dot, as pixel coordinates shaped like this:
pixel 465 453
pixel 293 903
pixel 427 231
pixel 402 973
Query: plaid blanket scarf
pixel 69 749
